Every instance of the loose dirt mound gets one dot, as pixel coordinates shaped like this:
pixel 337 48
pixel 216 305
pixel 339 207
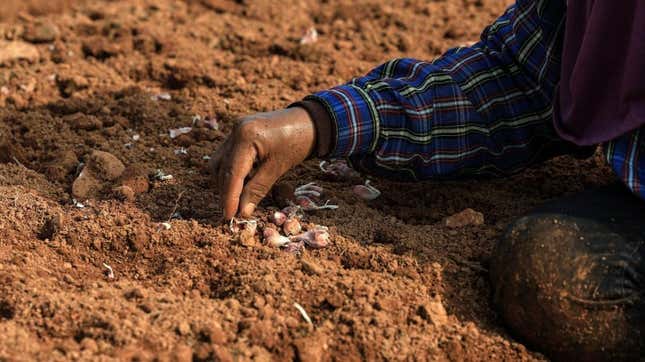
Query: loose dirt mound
pixel 93 93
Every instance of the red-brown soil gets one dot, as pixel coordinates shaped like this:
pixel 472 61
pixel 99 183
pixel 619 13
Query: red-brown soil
pixel 192 292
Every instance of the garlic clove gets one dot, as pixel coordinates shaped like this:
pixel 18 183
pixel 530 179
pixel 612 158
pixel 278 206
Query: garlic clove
pixel 366 191
pixel 278 218
pixel 317 238
pixel 291 226
pixel 338 169
pixel 272 237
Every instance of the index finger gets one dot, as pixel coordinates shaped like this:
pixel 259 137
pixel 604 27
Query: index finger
pixel 231 176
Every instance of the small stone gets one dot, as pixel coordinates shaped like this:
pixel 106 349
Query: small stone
pixel 88 344
pixel 183 328
pixel 433 312
pixel 68 279
pixel 311 348
pixel 12 51
pixel 41 33
pixel 86 186
pixel 105 165
pixel 335 299
pixel 466 217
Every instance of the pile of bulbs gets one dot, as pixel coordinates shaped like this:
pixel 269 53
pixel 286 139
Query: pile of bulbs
pixel 284 228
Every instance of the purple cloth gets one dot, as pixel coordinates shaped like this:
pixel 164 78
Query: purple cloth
pixel 602 87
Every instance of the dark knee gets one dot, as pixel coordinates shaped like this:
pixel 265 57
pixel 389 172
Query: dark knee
pixel 558 284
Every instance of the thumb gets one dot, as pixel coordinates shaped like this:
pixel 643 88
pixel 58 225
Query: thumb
pixel 257 187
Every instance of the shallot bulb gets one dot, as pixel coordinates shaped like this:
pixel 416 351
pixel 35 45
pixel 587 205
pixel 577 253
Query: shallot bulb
pixel 273 238
pixel 291 226
pixel 366 191
pixel 338 169
pixel 278 218
pixel 316 238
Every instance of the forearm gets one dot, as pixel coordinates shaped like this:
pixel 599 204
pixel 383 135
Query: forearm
pixel 481 110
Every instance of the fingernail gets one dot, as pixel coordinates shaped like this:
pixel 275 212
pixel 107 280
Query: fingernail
pixel 248 209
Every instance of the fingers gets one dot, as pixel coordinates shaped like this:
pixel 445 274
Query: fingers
pixel 216 159
pixel 258 187
pixel 232 172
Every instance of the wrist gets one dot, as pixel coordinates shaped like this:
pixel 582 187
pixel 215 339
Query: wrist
pixel 322 123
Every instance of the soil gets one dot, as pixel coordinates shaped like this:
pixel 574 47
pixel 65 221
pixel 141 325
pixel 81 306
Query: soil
pixel 84 91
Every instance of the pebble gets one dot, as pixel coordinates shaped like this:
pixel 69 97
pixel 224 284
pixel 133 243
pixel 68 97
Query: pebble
pixel 105 165
pixel 11 51
pixel 101 166
pixel 311 348
pixel 88 344
pixel 41 33
pixel 183 328
pixel 433 312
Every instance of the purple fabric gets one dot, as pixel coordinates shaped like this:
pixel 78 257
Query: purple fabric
pixel 602 87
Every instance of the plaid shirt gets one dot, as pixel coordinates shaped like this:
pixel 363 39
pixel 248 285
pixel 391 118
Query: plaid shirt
pixel 486 109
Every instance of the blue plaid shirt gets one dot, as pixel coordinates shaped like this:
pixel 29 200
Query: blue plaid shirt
pixel 486 109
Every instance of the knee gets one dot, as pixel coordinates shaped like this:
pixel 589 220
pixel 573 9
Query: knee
pixel 558 284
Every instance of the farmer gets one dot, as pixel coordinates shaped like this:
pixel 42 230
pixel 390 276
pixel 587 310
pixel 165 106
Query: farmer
pixel 544 80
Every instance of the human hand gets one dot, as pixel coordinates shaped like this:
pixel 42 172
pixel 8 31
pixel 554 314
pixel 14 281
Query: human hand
pixel 261 147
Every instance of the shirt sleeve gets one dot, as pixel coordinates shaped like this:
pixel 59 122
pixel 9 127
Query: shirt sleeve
pixel 483 109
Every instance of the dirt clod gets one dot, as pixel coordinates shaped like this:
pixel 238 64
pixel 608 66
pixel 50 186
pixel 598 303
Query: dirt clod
pixel 433 312
pixel 311 348
pixel 468 217
pixel 13 51
pixel 41 33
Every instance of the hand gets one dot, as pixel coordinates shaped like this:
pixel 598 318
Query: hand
pixel 261 147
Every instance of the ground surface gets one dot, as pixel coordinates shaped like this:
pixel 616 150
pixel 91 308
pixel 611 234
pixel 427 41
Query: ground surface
pixel 191 292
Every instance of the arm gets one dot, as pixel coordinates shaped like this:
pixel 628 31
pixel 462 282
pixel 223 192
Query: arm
pixel 485 109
